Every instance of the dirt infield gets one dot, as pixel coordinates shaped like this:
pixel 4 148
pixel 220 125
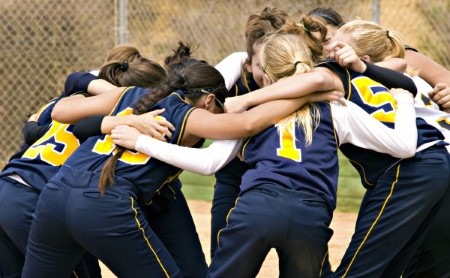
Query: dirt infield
pixel 342 225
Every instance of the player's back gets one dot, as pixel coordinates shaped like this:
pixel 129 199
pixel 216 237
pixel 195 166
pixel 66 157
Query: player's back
pixel 281 157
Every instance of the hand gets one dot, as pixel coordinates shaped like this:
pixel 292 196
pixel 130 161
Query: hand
pixel 125 136
pixel 33 117
pixel 346 56
pixel 441 95
pixel 153 125
pixel 235 104
pixel 326 96
pixel 398 92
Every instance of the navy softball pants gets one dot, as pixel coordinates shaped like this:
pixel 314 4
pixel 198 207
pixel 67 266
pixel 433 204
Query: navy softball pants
pixel 396 215
pixel 270 216
pixel 173 223
pixel 72 220
pixel 17 205
pixel 432 260
pixel 226 191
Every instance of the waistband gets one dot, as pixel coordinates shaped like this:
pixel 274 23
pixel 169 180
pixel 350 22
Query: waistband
pixel 89 180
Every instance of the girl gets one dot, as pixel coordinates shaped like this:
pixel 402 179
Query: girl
pixel 432 259
pixel 23 178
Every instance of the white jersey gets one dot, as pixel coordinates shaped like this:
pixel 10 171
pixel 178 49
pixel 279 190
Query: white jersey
pixel 429 110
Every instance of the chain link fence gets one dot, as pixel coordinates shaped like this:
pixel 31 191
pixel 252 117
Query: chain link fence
pixel 43 41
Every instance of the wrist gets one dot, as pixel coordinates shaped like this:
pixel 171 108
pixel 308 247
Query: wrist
pixel 362 66
pixel 406 98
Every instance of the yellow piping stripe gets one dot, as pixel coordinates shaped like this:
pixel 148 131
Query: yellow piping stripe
pixel 226 219
pixel 363 172
pixel 183 125
pixel 121 96
pixel 75 274
pixel 146 239
pixel 323 262
pixel 245 81
pixel 376 220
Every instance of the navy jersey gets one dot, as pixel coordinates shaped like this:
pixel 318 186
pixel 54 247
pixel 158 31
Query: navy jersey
pixel 377 101
pixel 244 85
pixel 281 157
pixel 41 160
pixel 146 174
pixel 45 112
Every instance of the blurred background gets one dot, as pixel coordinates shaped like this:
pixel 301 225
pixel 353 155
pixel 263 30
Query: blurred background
pixel 42 41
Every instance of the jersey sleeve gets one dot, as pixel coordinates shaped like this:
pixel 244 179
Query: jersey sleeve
pixel 353 125
pixel 205 161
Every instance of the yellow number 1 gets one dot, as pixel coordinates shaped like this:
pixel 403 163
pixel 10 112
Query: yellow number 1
pixel 288 149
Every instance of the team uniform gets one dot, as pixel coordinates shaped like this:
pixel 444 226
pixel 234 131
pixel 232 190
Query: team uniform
pixel 288 196
pixel 168 213
pixel 113 227
pixel 403 195
pixel 21 182
pixel 228 179
pixel 433 257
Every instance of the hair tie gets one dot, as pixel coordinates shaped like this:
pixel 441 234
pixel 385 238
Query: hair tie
pixel 387 33
pixel 304 28
pixel 124 66
pixel 296 63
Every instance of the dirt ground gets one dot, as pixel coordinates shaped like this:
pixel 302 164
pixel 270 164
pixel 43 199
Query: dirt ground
pixel 342 226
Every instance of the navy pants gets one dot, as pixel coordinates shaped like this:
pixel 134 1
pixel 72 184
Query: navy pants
pixel 395 216
pixel 226 191
pixel 170 218
pixel 433 258
pixel 270 216
pixel 72 220
pixel 17 205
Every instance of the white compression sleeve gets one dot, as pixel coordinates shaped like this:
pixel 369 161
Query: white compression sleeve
pixel 353 125
pixel 205 161
pixel 231 66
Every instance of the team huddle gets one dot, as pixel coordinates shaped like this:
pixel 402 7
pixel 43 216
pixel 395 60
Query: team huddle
pixel 97 178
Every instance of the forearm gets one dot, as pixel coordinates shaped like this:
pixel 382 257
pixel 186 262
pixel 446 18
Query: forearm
pixel 396 64
pixel 74 108
pixel 428 69
pixel 110 122
pixel 32 132
pixel 204 161
pixel 292 87
pixel 390 78
pixel 100 86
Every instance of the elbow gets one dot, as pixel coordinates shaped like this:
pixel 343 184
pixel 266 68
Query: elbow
pixel 407 153
pixel 408 150
pixel 324 81
pixel 250 127
pixel 57 114
pixel 61 116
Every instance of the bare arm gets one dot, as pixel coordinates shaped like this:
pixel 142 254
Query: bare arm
pixel 71 109
pixel 204 124
pixel 429 70
pixel 291 87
